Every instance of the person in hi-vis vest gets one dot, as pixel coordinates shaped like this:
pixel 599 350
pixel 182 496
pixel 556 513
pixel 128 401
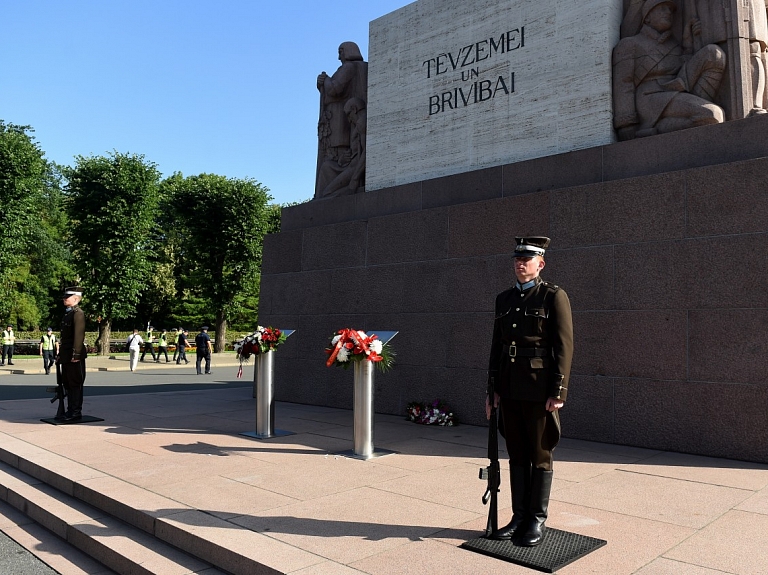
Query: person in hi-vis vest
pixel 9 339
pixel 48 347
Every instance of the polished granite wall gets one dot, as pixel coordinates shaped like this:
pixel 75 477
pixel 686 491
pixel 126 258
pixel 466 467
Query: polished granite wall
pixel 661 244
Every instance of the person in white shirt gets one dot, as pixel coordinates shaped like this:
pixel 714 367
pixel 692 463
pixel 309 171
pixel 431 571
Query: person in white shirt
pixel 134 342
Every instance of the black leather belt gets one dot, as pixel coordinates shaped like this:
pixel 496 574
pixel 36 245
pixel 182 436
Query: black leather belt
pixel 517 351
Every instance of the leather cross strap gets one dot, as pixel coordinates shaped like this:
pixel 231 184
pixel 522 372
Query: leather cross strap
pixel 517 351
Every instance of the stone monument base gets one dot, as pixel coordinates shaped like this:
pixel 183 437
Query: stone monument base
pixel 660 243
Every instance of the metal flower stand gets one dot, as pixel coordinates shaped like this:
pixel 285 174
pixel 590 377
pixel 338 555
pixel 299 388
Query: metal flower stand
pixel 362 430
pixel 264 387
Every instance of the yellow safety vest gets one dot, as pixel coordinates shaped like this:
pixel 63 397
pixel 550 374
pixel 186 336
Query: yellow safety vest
pixel 49 342
pixel 8 337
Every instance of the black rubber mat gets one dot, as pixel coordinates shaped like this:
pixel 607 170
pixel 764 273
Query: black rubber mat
pixel 558 549
pixel 85 419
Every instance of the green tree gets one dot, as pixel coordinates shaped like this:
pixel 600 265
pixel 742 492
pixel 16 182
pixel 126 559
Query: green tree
pixel 219 261
pixel 112 207
pixel 33 262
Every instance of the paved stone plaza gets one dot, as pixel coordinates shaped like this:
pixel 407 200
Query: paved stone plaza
pixel 174 466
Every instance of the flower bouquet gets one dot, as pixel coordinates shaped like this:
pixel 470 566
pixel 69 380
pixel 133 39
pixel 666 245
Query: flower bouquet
pixel 435 413
pixel 348 345
pixel 262 340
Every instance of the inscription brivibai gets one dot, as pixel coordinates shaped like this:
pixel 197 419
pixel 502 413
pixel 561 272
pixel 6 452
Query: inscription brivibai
pixel 479 90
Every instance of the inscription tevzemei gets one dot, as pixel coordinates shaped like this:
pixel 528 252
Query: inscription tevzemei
pixel 480 90
pixel 460 85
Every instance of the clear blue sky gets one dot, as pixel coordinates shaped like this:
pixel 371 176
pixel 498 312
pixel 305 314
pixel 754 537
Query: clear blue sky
pixel 217 86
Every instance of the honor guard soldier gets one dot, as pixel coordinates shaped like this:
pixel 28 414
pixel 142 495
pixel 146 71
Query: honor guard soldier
pixel 9 340
pixel 530 365
pixel 48 345
pixel 203 344
pixel 72 353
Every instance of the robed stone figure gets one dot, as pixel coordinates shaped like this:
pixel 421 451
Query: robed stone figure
pixel 341 129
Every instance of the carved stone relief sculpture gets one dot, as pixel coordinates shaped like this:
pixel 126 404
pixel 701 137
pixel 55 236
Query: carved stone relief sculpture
pixel 716 51
pixel 342 126
pixel 659 84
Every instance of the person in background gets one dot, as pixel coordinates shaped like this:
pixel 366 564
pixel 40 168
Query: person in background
pixel 204 348
pixel 182 345
pixel 48 348
pixel 162 346
pixel 134 342
pixel 9 339
pixel 148 345
pixel 176 332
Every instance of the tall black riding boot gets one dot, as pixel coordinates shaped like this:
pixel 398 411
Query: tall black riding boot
pixel 533 529
pixel 75 403
pixel 520 484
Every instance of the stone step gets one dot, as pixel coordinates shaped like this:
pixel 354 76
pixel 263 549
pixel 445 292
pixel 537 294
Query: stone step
pixel 114 504
pixel 120 547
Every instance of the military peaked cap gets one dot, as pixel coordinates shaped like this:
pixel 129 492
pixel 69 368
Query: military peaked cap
pixel 531 246
pixel 74 290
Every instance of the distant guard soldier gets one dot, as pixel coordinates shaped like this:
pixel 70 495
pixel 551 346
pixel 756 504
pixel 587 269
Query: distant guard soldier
pixel 9 340
pixel 203 343
pixel 72 353
pixel 530 364
pixel 48 345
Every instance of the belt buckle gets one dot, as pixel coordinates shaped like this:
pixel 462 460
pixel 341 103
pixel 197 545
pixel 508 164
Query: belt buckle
pixel 512 351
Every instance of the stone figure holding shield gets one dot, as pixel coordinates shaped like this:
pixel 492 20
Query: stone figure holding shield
pixel 341 129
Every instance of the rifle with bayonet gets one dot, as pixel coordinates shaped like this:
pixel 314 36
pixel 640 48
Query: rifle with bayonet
pixel 492 473
pixel 60 394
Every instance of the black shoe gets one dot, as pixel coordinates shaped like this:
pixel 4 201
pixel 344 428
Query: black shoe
pixel 47 372
pixel 77 416
pixel 199 373
pixel 207 373
pixel 10 363
pixel 185 361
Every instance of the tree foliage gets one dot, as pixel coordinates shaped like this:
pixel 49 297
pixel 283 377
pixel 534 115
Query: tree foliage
pixel 112 208
pixel 219 260
pixel 33 262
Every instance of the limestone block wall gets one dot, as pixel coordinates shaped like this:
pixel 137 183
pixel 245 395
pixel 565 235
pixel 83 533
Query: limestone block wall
pixel 457 85
pixel 665 269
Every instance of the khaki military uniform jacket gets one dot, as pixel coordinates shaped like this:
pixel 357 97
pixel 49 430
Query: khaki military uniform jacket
pixel 532 346
pixel 72 341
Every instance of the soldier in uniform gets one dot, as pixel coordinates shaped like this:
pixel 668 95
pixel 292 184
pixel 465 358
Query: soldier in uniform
pixel 530 364
pixel 72 353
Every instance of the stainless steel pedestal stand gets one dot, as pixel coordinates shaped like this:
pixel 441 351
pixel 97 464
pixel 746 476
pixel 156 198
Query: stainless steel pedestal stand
pixel 362 431
pixel 264 384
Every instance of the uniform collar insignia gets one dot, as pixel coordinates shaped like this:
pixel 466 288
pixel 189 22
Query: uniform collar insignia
pixel 526 285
